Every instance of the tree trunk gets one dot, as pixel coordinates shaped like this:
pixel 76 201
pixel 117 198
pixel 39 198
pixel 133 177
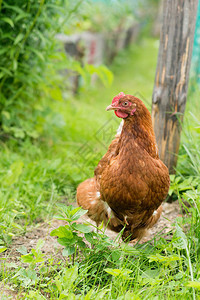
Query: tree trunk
pixel 172 76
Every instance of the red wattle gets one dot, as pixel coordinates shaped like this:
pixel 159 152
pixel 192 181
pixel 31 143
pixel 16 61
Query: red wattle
pixel 121 114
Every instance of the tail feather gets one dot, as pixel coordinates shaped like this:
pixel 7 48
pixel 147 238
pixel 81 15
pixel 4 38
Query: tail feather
pixel 155 217
pixel 89 198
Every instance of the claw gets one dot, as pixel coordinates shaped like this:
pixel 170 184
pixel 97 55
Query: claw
pixel 125 220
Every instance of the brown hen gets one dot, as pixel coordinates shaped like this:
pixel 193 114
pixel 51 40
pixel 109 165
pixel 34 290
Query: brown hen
pixel 130 181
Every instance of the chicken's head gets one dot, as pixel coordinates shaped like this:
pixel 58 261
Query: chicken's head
pixel 124 105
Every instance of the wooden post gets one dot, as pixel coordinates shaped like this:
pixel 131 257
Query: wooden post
pixel 172 75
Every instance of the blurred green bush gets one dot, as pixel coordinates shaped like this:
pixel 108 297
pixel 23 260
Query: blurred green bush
pixel 30 58
pixel 26 30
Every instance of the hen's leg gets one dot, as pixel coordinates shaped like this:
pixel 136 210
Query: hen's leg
pixel 141 230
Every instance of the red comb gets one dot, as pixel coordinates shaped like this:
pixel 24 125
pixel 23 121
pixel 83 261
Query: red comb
pixel 116 98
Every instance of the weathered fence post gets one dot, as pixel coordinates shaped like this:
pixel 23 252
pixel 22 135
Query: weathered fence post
pixel 172 75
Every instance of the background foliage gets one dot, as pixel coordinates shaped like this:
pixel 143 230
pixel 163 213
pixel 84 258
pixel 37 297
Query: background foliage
pixel 26 43
pixel 29 62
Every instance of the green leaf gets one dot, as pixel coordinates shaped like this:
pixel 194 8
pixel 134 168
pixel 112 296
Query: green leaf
pixel 56 94
pixel 2 249
pixel 61 232
pixel 4 50
pixel 68 251
pixel 35 295
pixel 101 294
pixel 79 213
pixel 6 71
pixel 81 243
pixel 72 210
pixel 66 242
pixel 58 283
pixel 15 8
pixel 66 209
pixel 107 74
pixel 38 256
pixel 101 225
pixel 40 244
pixel 69 277
pixel 71 213
pixel 82 228
pixel 118 272
pixel 38 53
pixel 22 249
pixel 9 21
pixel 131 296
pixel 18 132
pixel 14 173
pixel 116 255
pixel 194 284
pixel 180 241
pixel 18 38
pixel 22 15
pixel 34 134
pixel 151 273
pixel 28 258
pixel 90 238
pixel 6 114
pixel 165 259
pixel 15 65
pixel 61 217
pixel 18 226
pixel 102 71
pixel 129 249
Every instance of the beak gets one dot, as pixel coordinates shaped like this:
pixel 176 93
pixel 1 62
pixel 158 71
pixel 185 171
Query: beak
pixel 110 107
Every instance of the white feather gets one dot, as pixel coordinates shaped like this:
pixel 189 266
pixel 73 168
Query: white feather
pixel 109 211
pixel 98 194
pixel 119 130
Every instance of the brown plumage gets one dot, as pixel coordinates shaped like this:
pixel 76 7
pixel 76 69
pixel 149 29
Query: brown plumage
pixel 130 181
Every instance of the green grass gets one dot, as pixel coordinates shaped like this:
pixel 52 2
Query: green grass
pixel 36 175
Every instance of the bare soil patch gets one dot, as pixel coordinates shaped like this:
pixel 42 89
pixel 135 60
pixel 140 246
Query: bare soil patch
pixel 51 247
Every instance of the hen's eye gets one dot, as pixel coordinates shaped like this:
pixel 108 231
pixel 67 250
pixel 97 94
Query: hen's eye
pixel 125 103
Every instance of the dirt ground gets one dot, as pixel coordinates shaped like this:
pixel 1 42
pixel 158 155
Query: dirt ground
pixel 52 248
pixel 29 240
